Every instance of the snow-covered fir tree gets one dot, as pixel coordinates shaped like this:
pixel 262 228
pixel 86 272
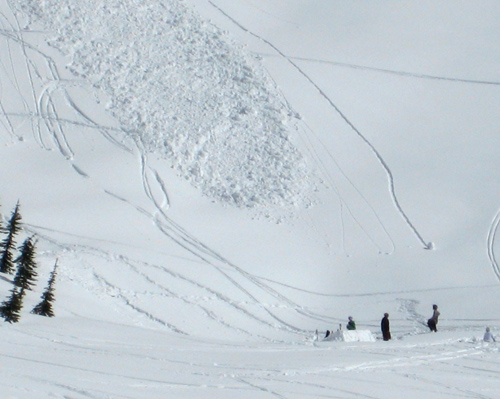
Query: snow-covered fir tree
pixel 44 308
pixel 26 265
pixel 8 245
pixel 11 308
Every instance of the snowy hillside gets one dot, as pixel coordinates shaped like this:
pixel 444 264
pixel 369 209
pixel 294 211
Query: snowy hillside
pixel 217 179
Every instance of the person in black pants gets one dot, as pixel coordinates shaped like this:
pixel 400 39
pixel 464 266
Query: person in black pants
pixel 432 322
pixel 384 326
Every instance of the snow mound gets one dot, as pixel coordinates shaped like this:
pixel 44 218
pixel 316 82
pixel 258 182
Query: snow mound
pixel 184 91
pixel 351 336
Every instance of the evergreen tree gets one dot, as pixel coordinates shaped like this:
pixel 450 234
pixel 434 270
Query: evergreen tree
pixel 10 309
pixel 26 265
pixel 8 245
pixel 44 308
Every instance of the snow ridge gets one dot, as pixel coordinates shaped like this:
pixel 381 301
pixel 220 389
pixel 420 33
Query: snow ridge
pixel 181 88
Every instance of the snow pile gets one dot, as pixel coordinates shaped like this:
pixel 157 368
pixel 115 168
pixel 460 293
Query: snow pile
pixel 351 336
pixel 182 90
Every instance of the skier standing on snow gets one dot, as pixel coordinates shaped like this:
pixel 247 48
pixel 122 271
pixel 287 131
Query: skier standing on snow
pixel 432 322
pixel 384 326
pixel 351 324
pixel 488 336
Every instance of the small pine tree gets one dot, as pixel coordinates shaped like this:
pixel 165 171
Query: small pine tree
pixel 10 309
pixel 8 245
pixel 26 265
pixel 44 308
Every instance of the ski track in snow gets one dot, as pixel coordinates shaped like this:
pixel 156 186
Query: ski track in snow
pixel 393 72
pixel 408 306
pixel 138 269
pixel 343 203
pixel 491 240
pixel 390 177
pixel 8 31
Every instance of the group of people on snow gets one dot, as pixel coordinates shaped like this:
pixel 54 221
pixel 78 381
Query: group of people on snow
pixel 431 323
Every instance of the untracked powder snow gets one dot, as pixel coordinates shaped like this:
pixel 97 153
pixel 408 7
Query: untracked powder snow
pixel 181 88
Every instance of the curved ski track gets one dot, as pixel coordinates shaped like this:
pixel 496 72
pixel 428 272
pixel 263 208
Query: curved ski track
pixel 491 240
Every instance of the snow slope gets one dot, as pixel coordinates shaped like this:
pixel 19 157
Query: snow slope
pixel 218 179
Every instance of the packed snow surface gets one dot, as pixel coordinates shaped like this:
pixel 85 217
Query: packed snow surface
pixel 142 139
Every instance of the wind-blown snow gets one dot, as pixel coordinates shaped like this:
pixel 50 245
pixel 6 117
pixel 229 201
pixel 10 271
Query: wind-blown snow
pixel 181 88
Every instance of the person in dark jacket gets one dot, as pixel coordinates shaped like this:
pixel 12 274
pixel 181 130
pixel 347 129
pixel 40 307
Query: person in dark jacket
pixel 384 326
pixel 351 324
pixel 432 322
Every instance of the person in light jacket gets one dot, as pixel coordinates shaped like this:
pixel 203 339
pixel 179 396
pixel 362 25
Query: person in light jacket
pixel 384 326
pixel 488 336
pixel 432 322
